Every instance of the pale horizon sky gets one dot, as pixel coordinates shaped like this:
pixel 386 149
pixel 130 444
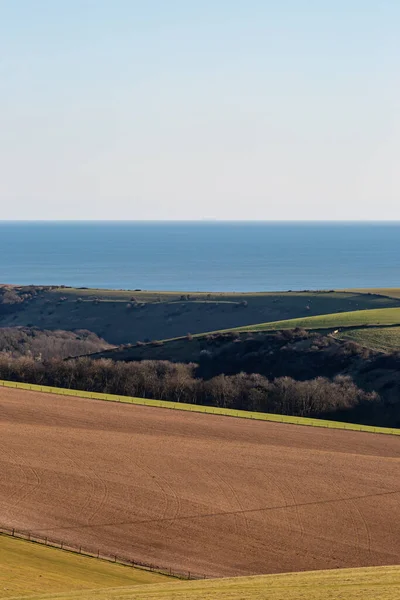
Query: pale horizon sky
pixel 181 110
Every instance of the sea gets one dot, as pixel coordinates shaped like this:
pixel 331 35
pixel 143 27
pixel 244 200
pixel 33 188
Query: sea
pixel 201 256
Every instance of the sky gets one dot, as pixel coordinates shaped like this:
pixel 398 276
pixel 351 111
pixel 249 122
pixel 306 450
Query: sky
pixel 219 109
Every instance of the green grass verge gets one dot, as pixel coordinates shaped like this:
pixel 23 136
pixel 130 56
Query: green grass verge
pixel 378 316
pixel 372 583
pixel 227 412
pixel 28 568
pixel 385 339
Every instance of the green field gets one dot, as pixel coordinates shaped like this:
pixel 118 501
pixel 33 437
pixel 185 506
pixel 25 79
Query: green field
pixel 379 316
pixel 30 569
pixel 373 583
pixel 385 339
pixel 227 412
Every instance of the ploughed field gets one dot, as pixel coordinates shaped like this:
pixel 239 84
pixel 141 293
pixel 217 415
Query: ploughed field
pixel 214 495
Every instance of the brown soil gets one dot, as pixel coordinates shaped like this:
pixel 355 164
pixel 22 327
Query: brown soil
pixel 215 495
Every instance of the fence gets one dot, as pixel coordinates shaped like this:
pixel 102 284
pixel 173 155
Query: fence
pixel 227 412
pixel 96 553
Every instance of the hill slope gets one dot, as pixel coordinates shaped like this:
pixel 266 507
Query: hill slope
pixel 126 317
pixel 383 321
pixel 28 569
pixel 301 355
pixel 373 583
pixel 202 493
pixel 383 339
pixel 371 317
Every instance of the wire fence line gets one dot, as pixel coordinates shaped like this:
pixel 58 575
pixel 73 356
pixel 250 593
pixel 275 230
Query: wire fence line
pixel 227 412
pixel 84 550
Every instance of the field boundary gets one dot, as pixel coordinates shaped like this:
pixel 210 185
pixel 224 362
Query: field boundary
pixel 226 412
pixel 89 552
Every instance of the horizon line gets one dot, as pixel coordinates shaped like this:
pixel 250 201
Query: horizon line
pixel 207 221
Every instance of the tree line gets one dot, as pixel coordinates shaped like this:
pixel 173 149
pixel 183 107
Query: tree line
pixel 319 397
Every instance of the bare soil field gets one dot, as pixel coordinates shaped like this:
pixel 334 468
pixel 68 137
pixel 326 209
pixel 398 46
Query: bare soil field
pixel 210 494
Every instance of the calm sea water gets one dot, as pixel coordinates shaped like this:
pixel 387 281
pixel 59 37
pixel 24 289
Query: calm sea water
pixel 201 256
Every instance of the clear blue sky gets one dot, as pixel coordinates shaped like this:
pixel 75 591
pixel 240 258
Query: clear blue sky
pixel 181 109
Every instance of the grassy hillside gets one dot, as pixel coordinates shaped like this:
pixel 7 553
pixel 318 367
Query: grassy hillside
pixel 373 583
pixel 129 316
pixel 383 316
pixel 385 339
pixel 29 569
